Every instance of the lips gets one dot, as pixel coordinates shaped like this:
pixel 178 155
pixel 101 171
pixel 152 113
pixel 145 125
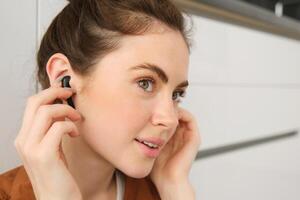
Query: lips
pixel 157 141
pixel 150 150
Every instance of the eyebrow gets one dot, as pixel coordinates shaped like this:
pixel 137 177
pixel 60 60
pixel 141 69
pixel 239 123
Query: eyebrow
pixel 160 73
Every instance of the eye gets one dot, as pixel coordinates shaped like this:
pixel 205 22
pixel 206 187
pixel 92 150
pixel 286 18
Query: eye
pixel 181 94
pixel 145 82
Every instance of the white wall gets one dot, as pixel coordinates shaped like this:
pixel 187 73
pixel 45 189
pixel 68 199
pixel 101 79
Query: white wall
pixel 244 84
pixel 17 63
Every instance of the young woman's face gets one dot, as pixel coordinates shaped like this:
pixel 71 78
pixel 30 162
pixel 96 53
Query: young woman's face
pixel 119 106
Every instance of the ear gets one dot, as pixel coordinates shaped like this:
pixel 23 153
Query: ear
pixel 58 66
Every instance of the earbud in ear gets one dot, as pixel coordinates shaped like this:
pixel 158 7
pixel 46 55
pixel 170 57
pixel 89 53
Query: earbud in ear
pixel 65 82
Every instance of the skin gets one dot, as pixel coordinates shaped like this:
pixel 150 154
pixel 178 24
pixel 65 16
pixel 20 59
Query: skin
pixel 116 109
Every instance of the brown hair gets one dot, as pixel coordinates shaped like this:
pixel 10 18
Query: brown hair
pixel 86 30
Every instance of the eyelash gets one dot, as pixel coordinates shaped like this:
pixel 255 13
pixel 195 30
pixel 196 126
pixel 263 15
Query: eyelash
pixel 150 79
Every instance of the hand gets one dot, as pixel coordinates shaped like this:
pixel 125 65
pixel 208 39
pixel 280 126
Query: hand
pixel 39 144
pixel 173 164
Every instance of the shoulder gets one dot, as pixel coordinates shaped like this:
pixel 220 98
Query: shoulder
pixel 140 189
pixel 15 183
pixel 6 181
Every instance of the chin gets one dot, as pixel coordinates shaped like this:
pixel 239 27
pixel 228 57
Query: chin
pixel 137 171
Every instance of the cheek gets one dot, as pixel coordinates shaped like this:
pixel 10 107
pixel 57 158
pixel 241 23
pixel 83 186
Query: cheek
pixel 115 118
pixel 112 121
pixel 131 111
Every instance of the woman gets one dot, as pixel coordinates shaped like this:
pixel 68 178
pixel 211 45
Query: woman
pixel 127 137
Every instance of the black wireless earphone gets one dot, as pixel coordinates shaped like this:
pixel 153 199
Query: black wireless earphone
pixel 65 82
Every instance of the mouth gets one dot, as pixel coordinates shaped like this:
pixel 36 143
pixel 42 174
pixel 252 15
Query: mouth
pixel 148 144
pixel 147 148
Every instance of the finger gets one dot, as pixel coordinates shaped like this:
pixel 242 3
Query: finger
pixel 179 139
pixel 51 141
pixel 46 96
pixel 187 117
pixel 190 124
pixel 57 82
pixel 46 115
pixel 188 151
pixel 191 137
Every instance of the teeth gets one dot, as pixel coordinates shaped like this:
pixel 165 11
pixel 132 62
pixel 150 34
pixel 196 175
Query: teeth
pixel 150 144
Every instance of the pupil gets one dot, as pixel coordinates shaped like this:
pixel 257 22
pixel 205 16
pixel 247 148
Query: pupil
pixel 144 84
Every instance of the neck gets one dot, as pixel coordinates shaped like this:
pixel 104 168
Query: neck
pixel 94 175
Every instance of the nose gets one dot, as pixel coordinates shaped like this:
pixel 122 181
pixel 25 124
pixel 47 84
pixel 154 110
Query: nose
pixel 165 114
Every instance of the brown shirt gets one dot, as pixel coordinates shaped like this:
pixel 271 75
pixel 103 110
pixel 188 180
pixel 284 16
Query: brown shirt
pixel 15 185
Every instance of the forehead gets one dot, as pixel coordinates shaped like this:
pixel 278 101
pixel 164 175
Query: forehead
pixel 160 45
pixel 161 40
